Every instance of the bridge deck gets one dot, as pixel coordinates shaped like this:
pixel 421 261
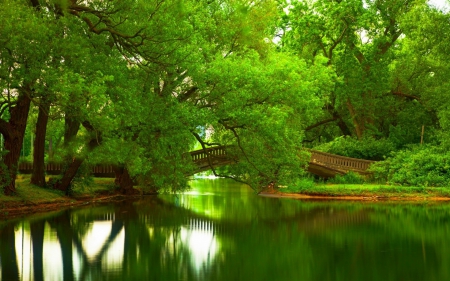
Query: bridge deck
pixel 329 165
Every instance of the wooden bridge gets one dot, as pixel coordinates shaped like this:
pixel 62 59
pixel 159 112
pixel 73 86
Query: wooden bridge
pixel 329 165
pixel 322 164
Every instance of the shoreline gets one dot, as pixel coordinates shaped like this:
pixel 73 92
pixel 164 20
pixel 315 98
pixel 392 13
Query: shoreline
pixel 371 197
pixel 14 210
pixel 34 200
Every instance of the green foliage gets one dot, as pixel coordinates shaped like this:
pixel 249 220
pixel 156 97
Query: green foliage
pixel 348 178
pixel 260 104
pixel 148 76
pixel 418 165
pixel 367 148
pixel 301 184
pixel 82 182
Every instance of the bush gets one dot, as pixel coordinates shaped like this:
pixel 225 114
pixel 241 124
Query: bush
pixel 301 184
pixel 367 148
pixel 417 165
pixel 349 178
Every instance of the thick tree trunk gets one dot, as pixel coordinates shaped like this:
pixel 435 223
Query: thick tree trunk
pixel 341 124
pixel 64 183
pixel 71 128
pixel 124 181
pixel 38 175
pixel 50 149
pixel 340 121
pixel 14 132
pixel 69 174
pixel 357 120
pixel 344 128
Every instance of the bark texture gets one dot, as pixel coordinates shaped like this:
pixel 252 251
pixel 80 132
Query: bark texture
pixel 38 174
pixel 13 132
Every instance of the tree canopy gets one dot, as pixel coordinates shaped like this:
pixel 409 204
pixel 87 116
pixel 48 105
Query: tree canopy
pixel 137 84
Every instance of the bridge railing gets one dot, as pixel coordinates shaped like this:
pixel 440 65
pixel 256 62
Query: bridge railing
pixel 49 167
pixel 340 162
pixel 202 154
pixel 56 168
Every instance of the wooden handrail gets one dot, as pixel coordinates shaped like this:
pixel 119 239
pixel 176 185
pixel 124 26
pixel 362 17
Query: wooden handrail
pixel 333 160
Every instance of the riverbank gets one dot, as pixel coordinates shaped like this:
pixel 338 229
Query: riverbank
pixel 368 192
pixel 31 199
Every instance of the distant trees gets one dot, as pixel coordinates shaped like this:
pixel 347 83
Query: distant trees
pixel 383 81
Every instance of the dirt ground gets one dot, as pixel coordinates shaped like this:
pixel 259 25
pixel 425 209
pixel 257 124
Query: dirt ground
pixel 11 210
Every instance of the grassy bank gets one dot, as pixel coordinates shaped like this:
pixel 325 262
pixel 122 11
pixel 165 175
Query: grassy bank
pixel 31 199
pixel 369 190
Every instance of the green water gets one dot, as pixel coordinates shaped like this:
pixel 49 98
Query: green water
pixel 223 231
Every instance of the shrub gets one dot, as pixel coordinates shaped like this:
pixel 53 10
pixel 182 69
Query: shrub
pixel 417 165
pixel 367 148
pixel 349 178
pixel 301 184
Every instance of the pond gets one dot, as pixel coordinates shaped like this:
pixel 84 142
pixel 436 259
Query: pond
pixel 221 230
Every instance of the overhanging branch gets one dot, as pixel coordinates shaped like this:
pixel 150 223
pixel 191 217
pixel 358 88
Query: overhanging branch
pixel 334 118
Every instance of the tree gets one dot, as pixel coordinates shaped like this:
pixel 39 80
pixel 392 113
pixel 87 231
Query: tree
pixel 135 80
pixel 24 54
pixel 358 38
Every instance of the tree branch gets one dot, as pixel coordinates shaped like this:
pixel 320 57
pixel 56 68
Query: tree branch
pixel 186 95
pixel 334 118
pixel 400 94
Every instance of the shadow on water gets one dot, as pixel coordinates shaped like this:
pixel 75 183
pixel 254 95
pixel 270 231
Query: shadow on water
pixel 223 231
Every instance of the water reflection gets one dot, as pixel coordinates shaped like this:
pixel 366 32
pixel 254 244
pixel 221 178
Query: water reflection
pixel 224 232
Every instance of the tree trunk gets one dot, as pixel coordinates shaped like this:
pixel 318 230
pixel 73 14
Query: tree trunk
pixel 357 122
pixel 71 127
pixel 38 175
pixel 69 174
pixel 14 132
pixel 124 181
pixel 336 116
pixel 64 183
pixel 50 149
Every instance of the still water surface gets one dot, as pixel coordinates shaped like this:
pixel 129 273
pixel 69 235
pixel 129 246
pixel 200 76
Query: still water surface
pixel 223 231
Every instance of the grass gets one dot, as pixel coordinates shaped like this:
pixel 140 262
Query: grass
pixel 368 190
pixel 31 196
pixel 30 199
pixel 27 192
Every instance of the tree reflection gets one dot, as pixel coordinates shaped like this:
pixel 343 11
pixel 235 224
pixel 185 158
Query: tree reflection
pixel 151 238
pixel 8 256
pixel 37 237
